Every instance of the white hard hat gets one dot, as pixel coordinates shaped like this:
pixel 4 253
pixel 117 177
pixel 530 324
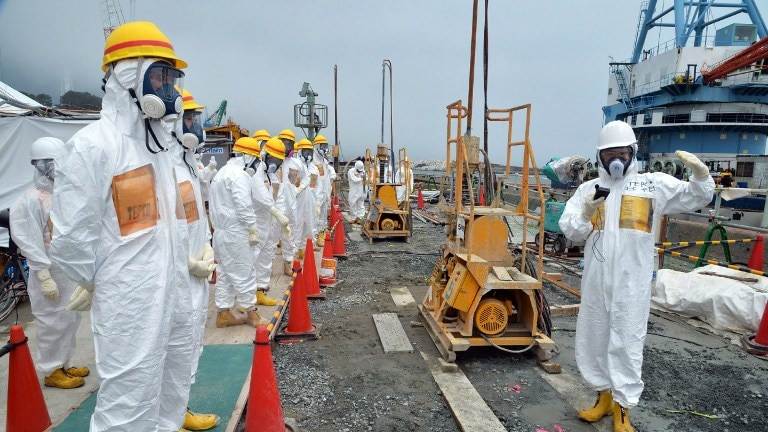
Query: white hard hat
pixel 359 166
pixel 616 134
pixel 45 148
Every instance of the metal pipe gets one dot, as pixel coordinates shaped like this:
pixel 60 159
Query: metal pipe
pixel 472 67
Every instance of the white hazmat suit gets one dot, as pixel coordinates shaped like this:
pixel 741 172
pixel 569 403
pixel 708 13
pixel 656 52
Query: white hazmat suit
pixel 262 193
pixel 356 195
pixel 618 269
pixel 31 230
pixel 115 213
pixel 234 220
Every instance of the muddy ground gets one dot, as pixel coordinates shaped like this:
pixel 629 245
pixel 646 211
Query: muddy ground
pixel 345 382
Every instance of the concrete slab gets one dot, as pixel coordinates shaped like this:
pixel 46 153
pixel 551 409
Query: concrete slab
pixel 391 333
pixel 469 409
pixel 402 297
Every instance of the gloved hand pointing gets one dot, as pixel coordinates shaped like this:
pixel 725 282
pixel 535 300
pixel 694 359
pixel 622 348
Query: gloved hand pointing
pixel 590 206
pixel 698 169
pixel 47 285
pixel 81 298
pixel 253 234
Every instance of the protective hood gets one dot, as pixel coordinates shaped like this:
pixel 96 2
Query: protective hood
pixel 118 105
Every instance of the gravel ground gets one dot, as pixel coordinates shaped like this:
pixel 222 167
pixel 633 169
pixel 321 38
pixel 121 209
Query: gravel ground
pixel 345 382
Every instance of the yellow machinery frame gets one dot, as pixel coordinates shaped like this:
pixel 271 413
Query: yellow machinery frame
pixel 479 293
pixel 386 217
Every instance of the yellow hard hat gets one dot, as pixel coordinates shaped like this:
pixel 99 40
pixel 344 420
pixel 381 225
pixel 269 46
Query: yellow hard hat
pixel 188 102
pixel 287 134
pixel 303 144
pixel 320 140
pixel 139 39
pixel 261 135
pixel 275 147
pixel 247 145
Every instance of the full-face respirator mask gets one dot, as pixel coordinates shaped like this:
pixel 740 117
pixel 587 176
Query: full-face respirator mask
pixel 159 96
pixel 193 135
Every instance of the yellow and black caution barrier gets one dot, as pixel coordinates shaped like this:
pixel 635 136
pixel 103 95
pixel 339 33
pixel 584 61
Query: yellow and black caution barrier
pixel 707 261
pixel 703 242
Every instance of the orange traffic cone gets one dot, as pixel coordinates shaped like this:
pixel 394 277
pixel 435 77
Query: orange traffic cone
pixel 335 200
pixel 328 246
pixel 299 326
pixel 311 282
pixel 339 249
pixel 420 200
pixel 264 412
pixel 756 259
pixel 758 343
pixel 481 195
pixel 26 406
pixel 334 216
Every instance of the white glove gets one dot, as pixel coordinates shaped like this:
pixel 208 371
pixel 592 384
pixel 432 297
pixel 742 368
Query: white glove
pixel 590 206
pixel 317 211
pixel 47 285
pixel 698 169
pixel 201 268
pixel 253 234
pixel 280 217
pixel 301 188
pixel 81 298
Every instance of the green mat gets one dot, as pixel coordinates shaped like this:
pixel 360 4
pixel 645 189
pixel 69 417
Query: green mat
pixel 220 377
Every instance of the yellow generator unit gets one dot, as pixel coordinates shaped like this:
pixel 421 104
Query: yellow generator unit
pixel 480 292
pixel 387 215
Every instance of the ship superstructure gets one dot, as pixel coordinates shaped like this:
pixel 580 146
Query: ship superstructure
pixel 704 91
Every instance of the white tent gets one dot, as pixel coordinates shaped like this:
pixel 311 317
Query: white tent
pixel 13 102
pixel 18 129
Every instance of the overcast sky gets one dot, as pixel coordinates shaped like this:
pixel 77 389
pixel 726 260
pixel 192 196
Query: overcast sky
pixel 257 54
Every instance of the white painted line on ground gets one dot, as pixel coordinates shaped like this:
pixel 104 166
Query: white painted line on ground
pixel 391 333
pixel 402 296
pixel 575 394
pixel 469 409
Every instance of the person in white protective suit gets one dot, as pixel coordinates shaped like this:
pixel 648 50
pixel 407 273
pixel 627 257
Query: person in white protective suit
pixel 620 232
pixel 117 236
pixel 48 288
pixel 305 196
pixel 208 173
pixel 250 149
pixel 405 179
pixel 201 257
pixel 269 216
pixel 291 175
pixel 325 189
pixel 356 178
pixel 235 240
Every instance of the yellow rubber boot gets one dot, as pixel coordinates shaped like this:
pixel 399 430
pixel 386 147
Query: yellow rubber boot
pixel 262 299
pixel 621 419
pixel 197 422
pixel 78 371
pixel 288 268
pixel 60 379
pixel 300 254
pixel 603 407
pixel 320 241
pixel 253 319
pixel 225 318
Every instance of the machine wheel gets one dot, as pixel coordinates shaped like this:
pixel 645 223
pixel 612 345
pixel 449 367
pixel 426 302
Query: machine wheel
pixel 491 316
pixel 560 245
pixel 537 239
